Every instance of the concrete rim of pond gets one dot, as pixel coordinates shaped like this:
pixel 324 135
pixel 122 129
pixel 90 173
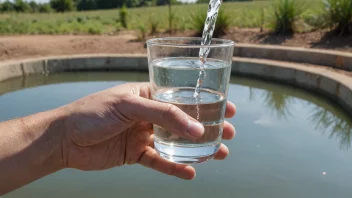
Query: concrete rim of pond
pixel 331 83
pixel 329 58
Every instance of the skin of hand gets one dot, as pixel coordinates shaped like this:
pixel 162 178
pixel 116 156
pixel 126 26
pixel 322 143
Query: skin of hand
pixel 103 130
pixel 113 127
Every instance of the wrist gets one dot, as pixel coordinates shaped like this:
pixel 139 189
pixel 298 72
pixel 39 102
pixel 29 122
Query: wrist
pixel 46 133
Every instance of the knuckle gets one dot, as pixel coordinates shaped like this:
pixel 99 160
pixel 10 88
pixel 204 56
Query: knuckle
pixel 170 111
pixel 127 98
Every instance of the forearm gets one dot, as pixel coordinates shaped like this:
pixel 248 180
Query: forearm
pixel 30 148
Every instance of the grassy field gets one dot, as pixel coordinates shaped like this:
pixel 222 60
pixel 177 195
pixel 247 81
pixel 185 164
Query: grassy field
pixel 243 14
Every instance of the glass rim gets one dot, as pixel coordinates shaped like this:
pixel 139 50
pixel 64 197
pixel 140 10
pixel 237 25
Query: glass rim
pixel 156 42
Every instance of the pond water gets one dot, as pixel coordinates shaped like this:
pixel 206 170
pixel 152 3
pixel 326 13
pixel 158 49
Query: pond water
pixel 289 143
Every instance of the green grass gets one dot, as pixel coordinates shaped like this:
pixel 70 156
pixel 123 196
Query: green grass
pixel 242 14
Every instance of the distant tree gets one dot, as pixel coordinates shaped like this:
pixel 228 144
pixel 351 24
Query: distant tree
pixel 45 8
pixel 21 6
pixel 87 4
pixel 62 5
pixel 109 4
pixel 165 2
pixel 207 1
pixel 7 6
pixel 34 6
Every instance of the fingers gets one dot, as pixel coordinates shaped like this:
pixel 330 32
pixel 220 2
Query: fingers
pixel 151 159
pixel 222 153
pixel 229 131
pixel 165 115
pixel 230 110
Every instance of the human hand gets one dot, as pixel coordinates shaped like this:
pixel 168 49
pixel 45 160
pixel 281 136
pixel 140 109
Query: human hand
pixel 114 127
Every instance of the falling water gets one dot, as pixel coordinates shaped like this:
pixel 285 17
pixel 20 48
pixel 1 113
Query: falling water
pixel 208 31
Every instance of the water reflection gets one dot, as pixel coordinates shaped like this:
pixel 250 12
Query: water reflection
pixel 335 126
pixel 278 104
pixel 325 116
pixel 279 100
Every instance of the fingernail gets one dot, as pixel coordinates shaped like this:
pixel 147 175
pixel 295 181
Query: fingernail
pixel 195 129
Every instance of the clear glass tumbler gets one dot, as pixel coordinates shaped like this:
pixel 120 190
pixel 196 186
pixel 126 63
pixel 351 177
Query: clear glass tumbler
pixel 174 69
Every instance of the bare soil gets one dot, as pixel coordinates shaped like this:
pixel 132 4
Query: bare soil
pixel 27 46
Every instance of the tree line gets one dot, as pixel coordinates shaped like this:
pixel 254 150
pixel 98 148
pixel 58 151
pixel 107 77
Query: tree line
pixel 80 5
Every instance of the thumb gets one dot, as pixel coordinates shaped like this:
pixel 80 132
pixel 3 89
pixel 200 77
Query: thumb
pixel 165 115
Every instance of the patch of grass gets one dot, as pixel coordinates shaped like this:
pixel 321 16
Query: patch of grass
pixel 142 32
pixel 223 22
pixel 197 21
pixel 241 14
pixel 285 14
pixel 154 24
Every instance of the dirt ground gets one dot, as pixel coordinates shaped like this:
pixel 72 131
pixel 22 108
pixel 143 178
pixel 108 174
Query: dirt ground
pixel 27 46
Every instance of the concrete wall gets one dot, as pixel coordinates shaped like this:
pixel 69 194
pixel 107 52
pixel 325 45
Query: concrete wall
pixel 335 85
pixel 332 84
pixel 340 60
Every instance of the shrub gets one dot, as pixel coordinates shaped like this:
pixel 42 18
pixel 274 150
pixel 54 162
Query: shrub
pixel 142 30
pixel 317 21
pixel 154 25
pixel 223 23
pixel 339 15
pixel 286 12
pixel 123 16
pixel 262 19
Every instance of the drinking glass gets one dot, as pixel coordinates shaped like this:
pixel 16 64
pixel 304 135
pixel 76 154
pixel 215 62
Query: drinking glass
pixel 174 69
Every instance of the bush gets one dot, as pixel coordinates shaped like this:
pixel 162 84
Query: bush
pixel 123 16
pixel 154 25
pixel 317 21
pixel 62 5
pixel 142 30
pixel 223 23
pixel 286 13
pixel 339 15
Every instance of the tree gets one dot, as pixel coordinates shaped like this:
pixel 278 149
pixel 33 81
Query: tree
pixel 87 5
pixel 165 2
pixel 62 5
pixel 207 1
pixel 21 6
pixel 34 6
pixel 45 8
pixel 7 6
